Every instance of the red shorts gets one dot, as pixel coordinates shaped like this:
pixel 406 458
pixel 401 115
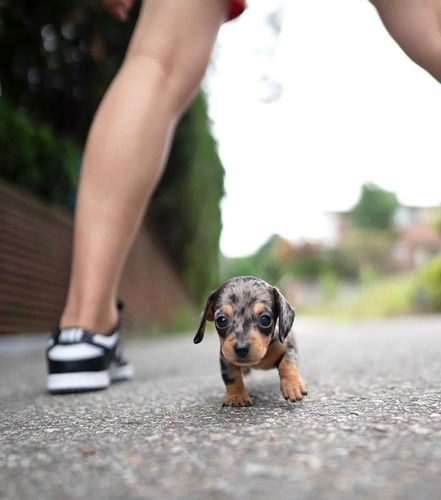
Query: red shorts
pixel 236 8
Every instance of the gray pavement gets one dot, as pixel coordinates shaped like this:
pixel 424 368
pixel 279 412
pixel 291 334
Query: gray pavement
pixel 371 426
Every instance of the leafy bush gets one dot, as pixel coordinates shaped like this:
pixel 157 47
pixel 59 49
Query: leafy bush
pixel 430 281
pixel 366 249
pixel 277 258
pixel 266 263
pixel 35 158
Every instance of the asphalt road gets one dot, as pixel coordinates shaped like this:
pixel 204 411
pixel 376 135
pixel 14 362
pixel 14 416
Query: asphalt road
pixel 371 426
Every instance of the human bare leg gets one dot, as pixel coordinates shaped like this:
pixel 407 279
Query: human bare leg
pixel 127 146
pixel 416 27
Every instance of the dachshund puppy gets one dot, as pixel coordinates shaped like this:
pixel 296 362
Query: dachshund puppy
pixel 253 320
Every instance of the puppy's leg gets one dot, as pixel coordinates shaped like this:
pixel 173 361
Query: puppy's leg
pixel 291 383
pixel 232 377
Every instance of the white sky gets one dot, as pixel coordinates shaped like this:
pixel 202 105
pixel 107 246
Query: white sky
pixel 354 109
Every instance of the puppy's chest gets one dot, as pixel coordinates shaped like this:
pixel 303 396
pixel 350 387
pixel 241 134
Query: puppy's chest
pixel 272 357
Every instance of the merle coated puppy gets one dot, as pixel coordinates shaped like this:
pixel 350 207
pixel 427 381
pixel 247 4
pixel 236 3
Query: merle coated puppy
pixel 253 320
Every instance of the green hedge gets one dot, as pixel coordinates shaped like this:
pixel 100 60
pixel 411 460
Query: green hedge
pixel 32 156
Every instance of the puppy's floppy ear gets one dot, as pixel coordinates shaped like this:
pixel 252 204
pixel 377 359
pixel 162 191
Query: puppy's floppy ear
pixel 285 313
pixel 207 314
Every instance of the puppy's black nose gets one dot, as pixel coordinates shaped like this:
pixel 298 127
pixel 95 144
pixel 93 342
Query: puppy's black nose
pixel 242 350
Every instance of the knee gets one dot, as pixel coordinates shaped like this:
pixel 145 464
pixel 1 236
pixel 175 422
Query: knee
pixel 175 40
pixel 178 73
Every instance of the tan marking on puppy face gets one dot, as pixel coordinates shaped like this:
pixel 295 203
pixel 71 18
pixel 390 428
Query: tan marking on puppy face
pixel 259 346
pixel 227 309
pixel 227 346
pixel 258 308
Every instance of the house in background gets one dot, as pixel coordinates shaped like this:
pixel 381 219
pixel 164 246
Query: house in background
pixel 417 238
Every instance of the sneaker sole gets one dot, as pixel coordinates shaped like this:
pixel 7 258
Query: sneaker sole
pixel 120 373
pixel 87 381
pixel 78 381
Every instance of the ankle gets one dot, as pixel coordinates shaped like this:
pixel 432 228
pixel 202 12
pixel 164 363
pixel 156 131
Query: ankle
pixel 102 322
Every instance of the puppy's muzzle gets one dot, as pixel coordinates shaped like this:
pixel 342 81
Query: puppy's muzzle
pixel 242 350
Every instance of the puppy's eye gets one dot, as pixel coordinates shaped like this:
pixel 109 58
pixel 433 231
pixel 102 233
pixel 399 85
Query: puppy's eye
pixel 221 322
pixel 265 321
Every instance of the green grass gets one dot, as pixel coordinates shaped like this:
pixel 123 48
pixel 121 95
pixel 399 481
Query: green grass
pixel 385 297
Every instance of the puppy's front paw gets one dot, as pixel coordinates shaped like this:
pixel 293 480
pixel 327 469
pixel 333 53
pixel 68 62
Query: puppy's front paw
pixel 238 400
pixel 293 388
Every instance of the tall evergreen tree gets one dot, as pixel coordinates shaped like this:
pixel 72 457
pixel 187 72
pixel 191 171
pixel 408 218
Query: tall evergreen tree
pixel 375 208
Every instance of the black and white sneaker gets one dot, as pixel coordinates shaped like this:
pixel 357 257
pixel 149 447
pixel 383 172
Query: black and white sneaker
pixel 80 360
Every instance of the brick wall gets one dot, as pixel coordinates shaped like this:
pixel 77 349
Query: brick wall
pixel 35 250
